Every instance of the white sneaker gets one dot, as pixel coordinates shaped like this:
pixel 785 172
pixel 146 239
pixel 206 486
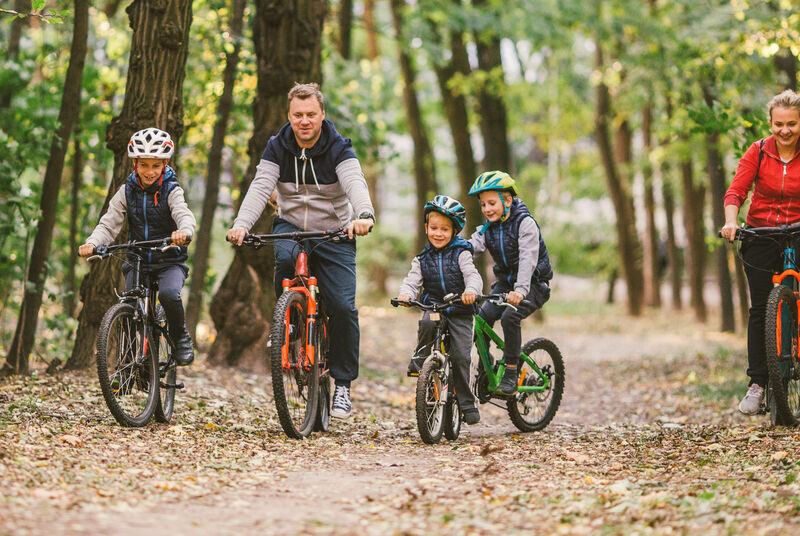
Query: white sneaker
pixel 341 402
pixel 751 402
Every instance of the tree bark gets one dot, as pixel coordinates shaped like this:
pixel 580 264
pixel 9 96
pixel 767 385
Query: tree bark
pixel 716 174
pixel 202 245
pixel 652 265
pixel 693 204
pixel 153 98
pixel 372 35
pixel 742 292
pixel 619 188
pixel 673 253
pixel 345 27
pixel 22 343
pixel 424 171
pixel 74 211
pixel 12 51
pixel 287 42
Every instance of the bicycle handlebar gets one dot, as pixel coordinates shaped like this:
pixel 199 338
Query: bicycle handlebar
pixel 786 230
pixel 497 299
pixel 258 240
pixel 162 244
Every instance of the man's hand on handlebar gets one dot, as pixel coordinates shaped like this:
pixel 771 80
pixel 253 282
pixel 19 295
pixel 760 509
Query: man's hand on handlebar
pixel 728 231
pixel 236 235
pixel 359 227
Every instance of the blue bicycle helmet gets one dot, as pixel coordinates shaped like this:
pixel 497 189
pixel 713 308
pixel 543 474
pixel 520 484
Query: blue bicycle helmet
pixel 447 206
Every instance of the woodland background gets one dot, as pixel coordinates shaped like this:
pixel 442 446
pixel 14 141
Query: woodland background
pixel 621 120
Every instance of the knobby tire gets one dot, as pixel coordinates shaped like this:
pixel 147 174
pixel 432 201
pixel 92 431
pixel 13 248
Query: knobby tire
pixel 783 372
pixel 533 411
pixel 429 406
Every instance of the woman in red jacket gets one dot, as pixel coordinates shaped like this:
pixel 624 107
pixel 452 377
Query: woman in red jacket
pixel 772 167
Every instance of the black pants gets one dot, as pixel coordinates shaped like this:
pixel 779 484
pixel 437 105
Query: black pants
pixel 460 328
pixel 762 258
pixel 511 319
pixel 170 282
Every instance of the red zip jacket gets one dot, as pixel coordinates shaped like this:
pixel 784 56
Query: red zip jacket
pixel 776 195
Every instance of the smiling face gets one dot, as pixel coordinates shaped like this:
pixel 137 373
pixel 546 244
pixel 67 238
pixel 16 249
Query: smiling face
pixel 785 124
pixel 439 229
pixel 493 204
pixel 305 117
pixel 149 170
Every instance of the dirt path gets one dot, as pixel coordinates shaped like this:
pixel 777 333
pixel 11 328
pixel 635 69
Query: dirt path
pixel 646 441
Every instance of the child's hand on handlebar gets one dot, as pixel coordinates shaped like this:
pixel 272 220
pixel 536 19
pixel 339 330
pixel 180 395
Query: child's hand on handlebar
pixel 179 237
pixel 468 298
pixel 514 297
pixel 86 250
pixel 404 298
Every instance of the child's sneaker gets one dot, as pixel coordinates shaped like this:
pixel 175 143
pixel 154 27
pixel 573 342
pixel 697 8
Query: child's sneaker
pixel 472 416
pixel 341 402
pixel 508 385
pixel 414 366
pixel 751 402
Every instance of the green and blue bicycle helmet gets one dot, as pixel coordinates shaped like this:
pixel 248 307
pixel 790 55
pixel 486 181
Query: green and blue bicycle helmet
pixel 447 206
pixel 493 181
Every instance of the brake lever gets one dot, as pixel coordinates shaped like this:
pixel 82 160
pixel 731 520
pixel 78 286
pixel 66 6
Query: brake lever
pixel 168 247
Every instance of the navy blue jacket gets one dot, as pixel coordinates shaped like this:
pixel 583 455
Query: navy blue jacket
pixel 441 274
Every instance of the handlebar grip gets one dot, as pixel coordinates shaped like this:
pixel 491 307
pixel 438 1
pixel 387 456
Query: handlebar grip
pixel 395 302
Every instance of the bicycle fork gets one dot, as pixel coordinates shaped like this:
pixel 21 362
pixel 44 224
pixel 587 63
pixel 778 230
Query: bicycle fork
pixel 787 329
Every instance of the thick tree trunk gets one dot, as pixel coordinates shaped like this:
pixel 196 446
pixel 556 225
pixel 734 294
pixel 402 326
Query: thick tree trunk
pixel 287 42
pixel 628 242
pixel 424 171
pixel 12 51
pixel 153 98
pixel 372 35
pixel 74 210
pixel 202 245
pixel 652 258
pixel 693 204
pixel 22 343
pixel 716 175
pixel 673 253
pixel 345 27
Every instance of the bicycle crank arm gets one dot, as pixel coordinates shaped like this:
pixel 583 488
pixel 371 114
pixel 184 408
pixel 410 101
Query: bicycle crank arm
pixel 172 385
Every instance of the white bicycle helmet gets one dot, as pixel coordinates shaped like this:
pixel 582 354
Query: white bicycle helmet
pixel 151 143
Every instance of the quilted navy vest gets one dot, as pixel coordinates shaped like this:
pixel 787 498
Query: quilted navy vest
pixel 502 242
pixel 149 216
pixel 441 274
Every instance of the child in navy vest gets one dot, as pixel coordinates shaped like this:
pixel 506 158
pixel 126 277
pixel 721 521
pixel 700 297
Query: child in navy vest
pixel 445 267
pixel 522 265
pixel 154 206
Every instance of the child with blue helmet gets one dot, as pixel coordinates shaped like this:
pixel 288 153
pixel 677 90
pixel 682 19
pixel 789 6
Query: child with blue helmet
pixel 445 267
pixel 522 265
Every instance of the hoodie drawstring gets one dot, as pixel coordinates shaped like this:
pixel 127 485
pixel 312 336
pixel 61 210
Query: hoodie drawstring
pixel 305 159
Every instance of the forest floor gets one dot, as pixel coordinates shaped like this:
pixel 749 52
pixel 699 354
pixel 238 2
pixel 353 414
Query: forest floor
pixel 646 441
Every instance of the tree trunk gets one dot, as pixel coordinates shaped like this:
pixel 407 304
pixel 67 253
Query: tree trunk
pixel 74 210
pixel 153 98
pixel 287 42
pixel 202 245
pixel 111 7
pixel 652 264
pixel 741 288
pixel 493 120
pixel 372 35
pixel 693 202
pixel 22 343
pixel 716 175
pixel 424 171
pixel 673 253
pixel 12 51
pixel 345 27
pixel 628 242
pixel 786 62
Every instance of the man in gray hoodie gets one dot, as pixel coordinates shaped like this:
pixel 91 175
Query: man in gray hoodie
pixel 320 186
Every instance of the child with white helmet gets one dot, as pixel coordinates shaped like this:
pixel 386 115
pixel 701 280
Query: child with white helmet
pixel 153 204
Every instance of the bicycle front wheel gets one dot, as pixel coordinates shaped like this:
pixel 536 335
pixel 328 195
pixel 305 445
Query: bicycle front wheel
pixel 295 379
pixel 782 356
pixel 127 371
pixel 168 374
pixel 430 402
pixel 533 410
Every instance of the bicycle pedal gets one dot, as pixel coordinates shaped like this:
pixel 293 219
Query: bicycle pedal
pixel 172 385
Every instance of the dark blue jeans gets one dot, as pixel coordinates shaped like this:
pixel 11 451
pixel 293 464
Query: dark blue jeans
pixel 170 282
pixel 334 265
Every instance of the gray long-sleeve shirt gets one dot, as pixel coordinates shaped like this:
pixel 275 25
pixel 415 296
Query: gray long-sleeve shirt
pixel 112 221
pixel 528 253
pixel 412 284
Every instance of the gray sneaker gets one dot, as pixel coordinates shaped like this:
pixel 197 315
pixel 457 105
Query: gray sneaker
pixel 341 402
pixel 751 402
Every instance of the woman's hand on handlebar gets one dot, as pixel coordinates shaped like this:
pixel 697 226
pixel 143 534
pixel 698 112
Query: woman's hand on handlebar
pixel 728 231
pixel 236 235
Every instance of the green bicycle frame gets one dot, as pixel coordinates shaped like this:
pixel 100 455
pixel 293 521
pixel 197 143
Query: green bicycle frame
pixel 482 331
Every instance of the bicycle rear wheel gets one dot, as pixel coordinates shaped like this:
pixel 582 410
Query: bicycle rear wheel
pixel 782 356
pixel 533 410
pixel 168 375
pixel 430 403
pixel 295 382
pixel 127 371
